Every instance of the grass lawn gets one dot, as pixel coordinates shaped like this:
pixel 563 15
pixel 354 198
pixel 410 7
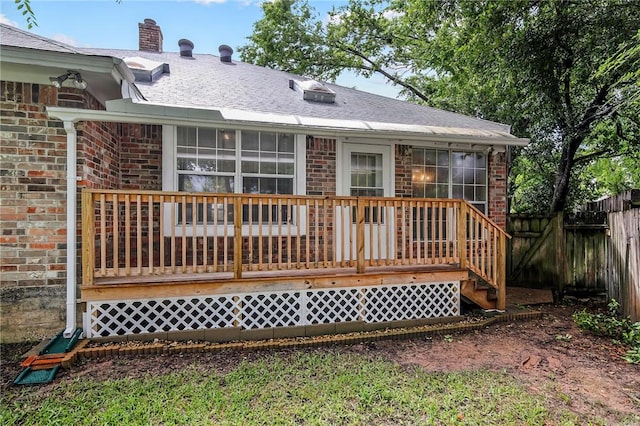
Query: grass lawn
pixel 327 388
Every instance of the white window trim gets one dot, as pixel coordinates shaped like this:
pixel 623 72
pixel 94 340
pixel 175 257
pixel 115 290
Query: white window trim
pixel 170 183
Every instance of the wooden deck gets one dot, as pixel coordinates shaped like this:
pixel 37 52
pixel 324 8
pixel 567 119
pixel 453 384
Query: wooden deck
pixel 155 261
pixel 197 284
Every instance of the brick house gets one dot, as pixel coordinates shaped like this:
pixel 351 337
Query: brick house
pixel 208 194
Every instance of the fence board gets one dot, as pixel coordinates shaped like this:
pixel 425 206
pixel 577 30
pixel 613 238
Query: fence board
pixel 580 253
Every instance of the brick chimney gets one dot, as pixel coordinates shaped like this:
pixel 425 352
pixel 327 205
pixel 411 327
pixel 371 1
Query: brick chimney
pixel 150 36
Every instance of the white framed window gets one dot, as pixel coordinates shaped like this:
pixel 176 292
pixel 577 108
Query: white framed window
pixel 221 160
pixel 445 173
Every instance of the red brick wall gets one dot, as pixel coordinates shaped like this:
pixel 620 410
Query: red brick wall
pixel 497 208
pixel 321 166
pixel 98 156
pixel 33 210
pixel 140 156
pixel 403 171
pixel 33 204
pixel 33 169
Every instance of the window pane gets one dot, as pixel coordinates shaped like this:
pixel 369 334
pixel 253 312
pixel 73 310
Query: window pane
pixel 430 157
pixel 267 141
pixel 418 156
pixel 480 206
pixel 186 164
pixel 227 166
pixel 456 191
pixel 285 186
pixel 443 158
pixel 227 139
pixel 268 186
pixel 285 164
pixel 481 176
pixel 468 193
pixel 267 163
pixel 205 165
pixel 457 175
pixel 418 190
pixel 443 191
pixel 250 185
pixel 442 175
pixel 457 159
pixel 250 167
pixel 200 183
pixel 285 143
pixel 250 141
pixel 468 176
pixel 429 175
pixel 366 192
pixel 186 137
pixel 430 191
pixel 206 138
pixel 481 193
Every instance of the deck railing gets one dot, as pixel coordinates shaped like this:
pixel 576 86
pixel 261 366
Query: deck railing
pixel 146 234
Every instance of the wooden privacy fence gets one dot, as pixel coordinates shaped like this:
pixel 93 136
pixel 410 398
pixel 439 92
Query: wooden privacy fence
pixel 594 250
pixel 133 234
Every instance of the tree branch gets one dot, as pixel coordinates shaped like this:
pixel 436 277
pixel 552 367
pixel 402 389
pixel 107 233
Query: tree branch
pixel 593 155
pixel 376 68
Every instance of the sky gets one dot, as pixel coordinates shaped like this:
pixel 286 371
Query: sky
pixel 207 23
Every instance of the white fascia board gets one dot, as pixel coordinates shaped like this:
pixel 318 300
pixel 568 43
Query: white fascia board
pixel 81 62
pixel 154 113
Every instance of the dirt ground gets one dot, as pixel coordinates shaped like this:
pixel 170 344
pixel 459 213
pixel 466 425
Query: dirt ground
pixel 549 356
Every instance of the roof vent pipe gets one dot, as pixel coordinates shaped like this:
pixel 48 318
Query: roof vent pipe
pixel 225 53
pixel 186 48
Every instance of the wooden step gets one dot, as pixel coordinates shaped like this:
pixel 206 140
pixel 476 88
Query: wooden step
pixel 485 297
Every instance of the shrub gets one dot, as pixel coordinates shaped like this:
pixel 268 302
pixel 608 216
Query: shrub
pixel 610 324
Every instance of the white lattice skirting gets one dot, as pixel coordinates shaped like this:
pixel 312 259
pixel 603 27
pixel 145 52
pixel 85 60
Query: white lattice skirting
pixel 273 309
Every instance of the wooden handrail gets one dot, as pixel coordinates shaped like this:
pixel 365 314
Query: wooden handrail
pixel 145 233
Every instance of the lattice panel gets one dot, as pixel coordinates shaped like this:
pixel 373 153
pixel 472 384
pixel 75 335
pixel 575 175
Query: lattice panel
pixel 331 306
pixel 402 302
pixel 263 310
pixel 273 309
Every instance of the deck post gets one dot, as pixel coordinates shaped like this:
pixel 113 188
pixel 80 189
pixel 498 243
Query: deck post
pixel 237 238
pixel 360 236
pixel 88 238
pixel 462 234
pixel 501 273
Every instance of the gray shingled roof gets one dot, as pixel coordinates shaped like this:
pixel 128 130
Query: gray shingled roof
pixel 12 36
pixel 205 81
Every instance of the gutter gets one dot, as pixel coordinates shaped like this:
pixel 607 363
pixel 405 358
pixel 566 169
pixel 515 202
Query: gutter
pixel 72 178
pixel 128 112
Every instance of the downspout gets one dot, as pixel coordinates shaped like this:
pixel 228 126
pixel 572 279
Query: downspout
pixel 70 128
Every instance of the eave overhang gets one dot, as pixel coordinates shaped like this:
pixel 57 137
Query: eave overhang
pixel 150 113
pixel 107 77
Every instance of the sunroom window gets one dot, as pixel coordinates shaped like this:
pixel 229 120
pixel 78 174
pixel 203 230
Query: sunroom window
pixel 441 173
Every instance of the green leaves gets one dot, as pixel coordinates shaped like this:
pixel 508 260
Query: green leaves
pixel 27 12
pixel 556 71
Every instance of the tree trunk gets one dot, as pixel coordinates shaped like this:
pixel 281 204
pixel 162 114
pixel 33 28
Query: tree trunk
pixel 563 175
pixel 561 189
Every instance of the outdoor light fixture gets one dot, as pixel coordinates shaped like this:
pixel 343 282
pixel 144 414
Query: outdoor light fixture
pixel 78 81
